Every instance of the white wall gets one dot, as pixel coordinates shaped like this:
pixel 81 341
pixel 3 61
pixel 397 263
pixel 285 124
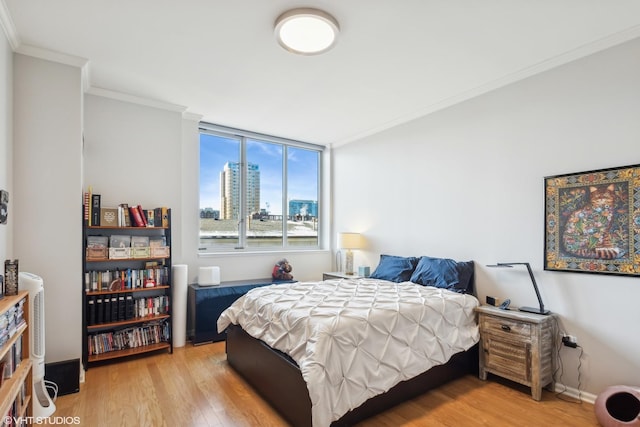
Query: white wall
pixel 6 138
pixel 132 154
pixel 464 183
pixel 47 197
pixel 142 154
pixel 467 183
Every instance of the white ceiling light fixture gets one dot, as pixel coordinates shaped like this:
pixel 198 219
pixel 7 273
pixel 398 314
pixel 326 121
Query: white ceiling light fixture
pixel 306 31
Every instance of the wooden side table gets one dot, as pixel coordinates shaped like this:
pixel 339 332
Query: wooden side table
pixel 518 346
pixel 339 275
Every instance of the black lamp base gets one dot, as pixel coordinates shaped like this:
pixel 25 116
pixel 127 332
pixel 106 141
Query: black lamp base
pixel 534 310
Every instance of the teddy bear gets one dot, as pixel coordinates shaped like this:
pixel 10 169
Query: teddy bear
pixel 282 270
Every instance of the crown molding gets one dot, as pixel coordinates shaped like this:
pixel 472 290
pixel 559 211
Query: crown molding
pixel 192 116
pixel 60 58
pixel 50 55
pixel 119 96
pixel 6 22
pixel 562 59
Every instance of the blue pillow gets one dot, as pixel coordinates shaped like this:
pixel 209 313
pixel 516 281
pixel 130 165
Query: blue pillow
pixel 395 268
pixel 444 273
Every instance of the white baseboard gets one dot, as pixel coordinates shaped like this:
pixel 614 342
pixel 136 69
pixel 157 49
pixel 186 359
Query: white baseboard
pixel 575 393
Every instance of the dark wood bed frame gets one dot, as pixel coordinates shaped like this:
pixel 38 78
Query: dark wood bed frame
pixel 279 381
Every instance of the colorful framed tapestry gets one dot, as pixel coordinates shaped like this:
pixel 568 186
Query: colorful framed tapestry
pixel 592 221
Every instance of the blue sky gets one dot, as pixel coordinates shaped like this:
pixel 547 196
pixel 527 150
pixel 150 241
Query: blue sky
pixel 302 165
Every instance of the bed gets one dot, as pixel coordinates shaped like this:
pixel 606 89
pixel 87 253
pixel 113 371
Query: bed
pixel 338 351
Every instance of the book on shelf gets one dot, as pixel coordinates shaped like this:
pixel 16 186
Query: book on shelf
pixel 143 216
pixel 151 333
pixel 129 278
pixel 150 217
pixel 161 217
pixel 136 218
pixel 95 209
pixel 165 216
pixel 86 207
pixel 109 217
pixel 125 217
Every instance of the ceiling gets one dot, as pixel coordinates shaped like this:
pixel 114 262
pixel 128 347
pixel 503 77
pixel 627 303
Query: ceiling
pixel 394 61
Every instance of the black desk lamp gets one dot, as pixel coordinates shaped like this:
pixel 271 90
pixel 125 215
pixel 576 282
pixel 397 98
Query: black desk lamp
pixel 540 310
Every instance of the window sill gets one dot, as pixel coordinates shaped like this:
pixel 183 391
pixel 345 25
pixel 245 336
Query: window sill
pixel 247 252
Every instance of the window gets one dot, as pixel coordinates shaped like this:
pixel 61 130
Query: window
pixel 257 192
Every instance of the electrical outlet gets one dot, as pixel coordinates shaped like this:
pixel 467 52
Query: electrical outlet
pixel 570 340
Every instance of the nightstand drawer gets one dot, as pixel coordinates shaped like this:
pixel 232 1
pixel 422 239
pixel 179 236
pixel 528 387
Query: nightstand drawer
pixel 505 327
pixel 510 360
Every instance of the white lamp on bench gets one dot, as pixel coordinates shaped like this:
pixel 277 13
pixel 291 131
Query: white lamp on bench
pixel 209 276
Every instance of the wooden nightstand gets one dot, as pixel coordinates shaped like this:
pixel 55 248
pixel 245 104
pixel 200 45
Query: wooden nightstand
pixel 339 275
pixel 518 346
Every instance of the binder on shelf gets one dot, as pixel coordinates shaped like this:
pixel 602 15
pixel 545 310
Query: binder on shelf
pixel 114 307
pixel 106 303
pixel 99 310
pixel 91 311
pixel 121 307
pixel 129 313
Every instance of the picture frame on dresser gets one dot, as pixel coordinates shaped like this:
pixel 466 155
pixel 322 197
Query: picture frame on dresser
pixel 592 221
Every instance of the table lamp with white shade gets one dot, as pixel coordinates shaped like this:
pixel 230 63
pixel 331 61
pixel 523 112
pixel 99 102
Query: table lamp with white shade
pixel 349 241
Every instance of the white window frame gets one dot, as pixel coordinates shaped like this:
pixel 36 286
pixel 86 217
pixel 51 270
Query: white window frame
pixel 243 136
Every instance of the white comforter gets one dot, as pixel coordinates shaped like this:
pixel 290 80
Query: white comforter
pixel 354 339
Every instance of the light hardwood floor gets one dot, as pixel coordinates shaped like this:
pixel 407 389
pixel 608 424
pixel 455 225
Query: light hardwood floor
pixel 194 386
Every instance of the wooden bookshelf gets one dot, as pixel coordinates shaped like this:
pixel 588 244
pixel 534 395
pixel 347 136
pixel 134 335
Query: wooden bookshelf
pixel 99 265
pixel 128 352
pixel 126 259
pixel 125 291
pixel 99 227
pixel 133 321
pixel 10 389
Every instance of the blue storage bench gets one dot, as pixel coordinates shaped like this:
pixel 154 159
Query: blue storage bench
pixel 206 303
